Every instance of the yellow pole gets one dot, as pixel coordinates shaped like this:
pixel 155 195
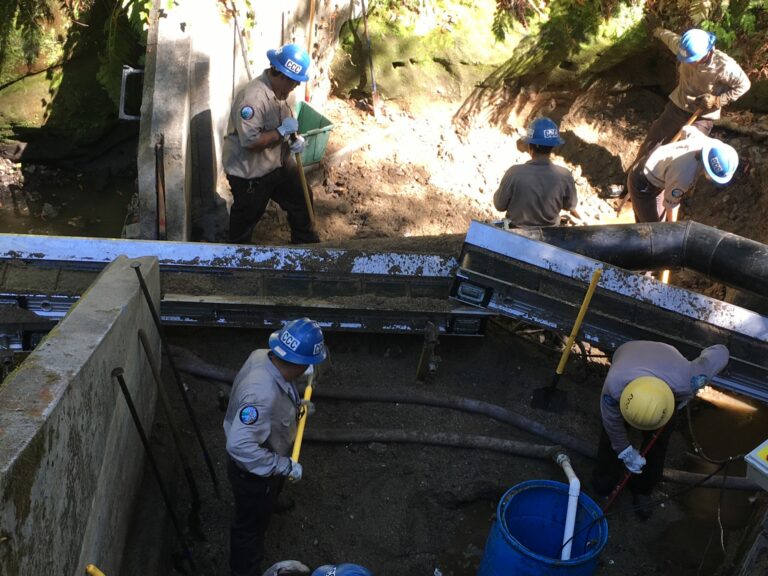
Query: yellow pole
pixel 91 570
pixel 582 311
pixel 303 419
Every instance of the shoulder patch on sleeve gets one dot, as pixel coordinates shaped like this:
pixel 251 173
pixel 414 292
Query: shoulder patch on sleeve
pixel 246 112
pixel 677 193
pixel 248 414
pixel 610 401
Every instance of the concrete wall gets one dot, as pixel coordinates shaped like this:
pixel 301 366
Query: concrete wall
pixel 194 65
pixel 70 456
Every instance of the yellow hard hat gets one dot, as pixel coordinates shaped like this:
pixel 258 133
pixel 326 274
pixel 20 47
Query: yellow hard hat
pixel 647 403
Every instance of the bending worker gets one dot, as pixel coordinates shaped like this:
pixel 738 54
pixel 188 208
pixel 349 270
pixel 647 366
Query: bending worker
pixel 534 193
pixel 674 169
pixel 708 79
pixel 646 383
pixel 260 427
pixel 258 149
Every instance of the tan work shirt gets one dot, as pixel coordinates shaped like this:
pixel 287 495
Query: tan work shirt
pixel 255 110
pixel 646 358
pixel 261 419
pixel 675 167
pixel 534 193
pixel 721 76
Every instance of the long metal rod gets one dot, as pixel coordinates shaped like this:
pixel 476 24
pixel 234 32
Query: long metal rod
pixel 194 514
pixel 117 374
pixel 177 376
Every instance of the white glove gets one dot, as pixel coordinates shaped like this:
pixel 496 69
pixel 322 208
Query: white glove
pixel 287 567
pixel 294 473
pixel 297 144
pixel 309 406
pixel 289 126
pixel 632 459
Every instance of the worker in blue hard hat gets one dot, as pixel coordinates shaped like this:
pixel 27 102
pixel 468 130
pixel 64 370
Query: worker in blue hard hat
pixel 258 149
pixel 659 183
pixel 534 193
pixel 646 384
pixel 708 79
pixel 260 427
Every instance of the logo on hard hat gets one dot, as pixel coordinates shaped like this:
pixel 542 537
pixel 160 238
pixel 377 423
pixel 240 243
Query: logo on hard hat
pixel 550 133
pixel 294 67
pixel 318 349
pixel 289 341
pixel 717 167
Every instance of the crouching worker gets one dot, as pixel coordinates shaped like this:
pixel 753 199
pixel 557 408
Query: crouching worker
pixel 534 193
pixel 260 426
pixel 646 384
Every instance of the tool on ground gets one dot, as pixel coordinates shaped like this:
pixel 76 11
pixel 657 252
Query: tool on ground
pixel 117 374
pixel 177 376
pixel 627 475
pixel 374 89
pixel 675 138
pixel 549 397
pixel 303 418
pixel 194 512
pixel 304 185
pixel 309 42
pixel 430 358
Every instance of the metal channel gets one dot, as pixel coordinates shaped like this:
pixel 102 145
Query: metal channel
pixel 543 285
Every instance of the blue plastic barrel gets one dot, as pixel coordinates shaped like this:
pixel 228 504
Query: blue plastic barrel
pixel 527 536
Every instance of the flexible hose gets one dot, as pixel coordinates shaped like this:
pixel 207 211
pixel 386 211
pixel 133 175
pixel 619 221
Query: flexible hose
pixel 192 365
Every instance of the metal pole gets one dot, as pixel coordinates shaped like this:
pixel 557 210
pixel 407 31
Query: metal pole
pixel 117 374
pixel 177 376
pixel 194 513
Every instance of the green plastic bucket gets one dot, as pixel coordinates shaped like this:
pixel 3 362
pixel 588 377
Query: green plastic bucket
pixel 316 129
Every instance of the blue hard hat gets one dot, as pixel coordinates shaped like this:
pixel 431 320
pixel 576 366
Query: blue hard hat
pixel 543 132
pixel 720 161
pixel 694 45
pixel 342 570
pixel 290 60
pixel 299 342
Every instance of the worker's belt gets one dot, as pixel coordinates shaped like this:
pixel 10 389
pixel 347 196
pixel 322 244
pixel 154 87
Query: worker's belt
pixel 251 183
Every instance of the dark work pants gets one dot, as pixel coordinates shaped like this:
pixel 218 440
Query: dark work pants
pixel 609 469
pixel 647 199
pixel 665 127
pixel 251 197
pixel 255 498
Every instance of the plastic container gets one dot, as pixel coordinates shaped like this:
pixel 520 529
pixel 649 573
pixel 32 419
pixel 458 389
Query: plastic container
pixel 316 129
pixel 526 538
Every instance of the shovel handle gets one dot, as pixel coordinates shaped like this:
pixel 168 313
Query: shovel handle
pixel 302 421
pixel 576 325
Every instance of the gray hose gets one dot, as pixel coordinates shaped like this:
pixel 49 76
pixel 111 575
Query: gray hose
pixel 434 438
pixel 187 362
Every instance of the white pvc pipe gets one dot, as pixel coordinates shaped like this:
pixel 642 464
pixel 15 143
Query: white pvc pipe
pixel 574 487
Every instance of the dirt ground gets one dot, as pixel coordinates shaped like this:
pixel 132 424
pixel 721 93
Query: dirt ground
pixel 425 510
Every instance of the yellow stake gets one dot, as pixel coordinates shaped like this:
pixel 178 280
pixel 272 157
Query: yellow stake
pixel 576 325
pixel 303 419
pixel 91 570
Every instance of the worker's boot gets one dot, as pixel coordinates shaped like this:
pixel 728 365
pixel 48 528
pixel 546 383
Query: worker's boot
pixel 643 506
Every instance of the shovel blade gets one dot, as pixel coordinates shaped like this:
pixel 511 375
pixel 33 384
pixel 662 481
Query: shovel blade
pixel 548 398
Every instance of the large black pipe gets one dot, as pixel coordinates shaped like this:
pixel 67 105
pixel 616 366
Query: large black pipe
pixel 722 256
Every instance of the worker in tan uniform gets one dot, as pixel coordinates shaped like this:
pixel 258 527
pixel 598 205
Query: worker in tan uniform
pixel 534 193
pixel 260 426
pixel 708 79
pixel 660 182
pixel 258 149
pixel 645 385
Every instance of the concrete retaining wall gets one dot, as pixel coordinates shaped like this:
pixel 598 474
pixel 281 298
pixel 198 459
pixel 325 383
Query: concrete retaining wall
pixel 70 457
pixel 194 66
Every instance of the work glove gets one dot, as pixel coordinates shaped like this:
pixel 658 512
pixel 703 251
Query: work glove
pixel 294 473
pixel 297 144
pixel 307 406
pixel 287 567
pixel 632 459
pixel 289 126
pixel 698 382
pixel 708 102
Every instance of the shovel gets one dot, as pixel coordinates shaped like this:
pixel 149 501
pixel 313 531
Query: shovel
pixel 549 397
pixel 303 420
